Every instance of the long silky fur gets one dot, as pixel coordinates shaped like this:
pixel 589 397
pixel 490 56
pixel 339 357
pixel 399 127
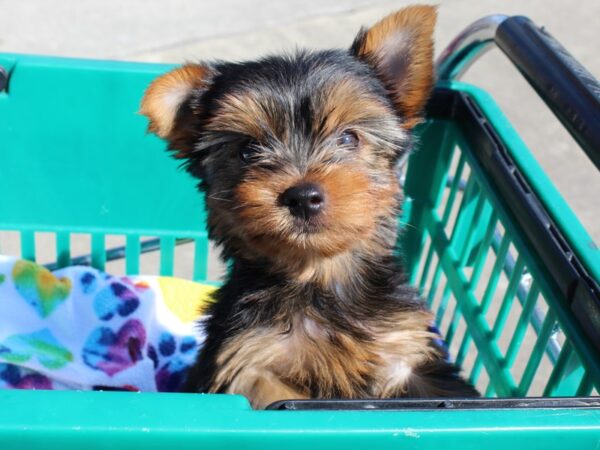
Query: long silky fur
pixel 305 314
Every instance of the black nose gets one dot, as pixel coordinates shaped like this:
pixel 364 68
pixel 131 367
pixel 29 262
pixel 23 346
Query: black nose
pixel 304 201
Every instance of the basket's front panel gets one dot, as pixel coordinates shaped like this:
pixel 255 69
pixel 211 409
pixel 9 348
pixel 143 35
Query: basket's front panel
pixel 491 304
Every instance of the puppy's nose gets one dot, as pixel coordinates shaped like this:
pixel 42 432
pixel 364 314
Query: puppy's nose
pixel 304 200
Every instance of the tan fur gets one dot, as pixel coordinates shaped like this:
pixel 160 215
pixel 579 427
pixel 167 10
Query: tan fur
pixel 271 364
pixel 242 113
pixel 346 221
pixel 406 35
pixel 263 387
pixel 166 93
pixel 347 104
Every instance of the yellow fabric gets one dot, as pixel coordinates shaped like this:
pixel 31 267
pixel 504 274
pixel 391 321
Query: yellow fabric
pixel 186 299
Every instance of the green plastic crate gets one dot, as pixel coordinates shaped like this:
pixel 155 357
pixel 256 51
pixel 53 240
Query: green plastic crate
pixel 75 158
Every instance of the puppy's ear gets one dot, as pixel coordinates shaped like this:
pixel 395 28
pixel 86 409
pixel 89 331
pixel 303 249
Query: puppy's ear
pixel 171 102
pixel 400 49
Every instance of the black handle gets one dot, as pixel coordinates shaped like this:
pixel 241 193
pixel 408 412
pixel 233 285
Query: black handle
pixel 568 89
pixel 3 79
pixel 400 404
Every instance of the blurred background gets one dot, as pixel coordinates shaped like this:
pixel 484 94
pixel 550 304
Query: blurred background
pixel 179 30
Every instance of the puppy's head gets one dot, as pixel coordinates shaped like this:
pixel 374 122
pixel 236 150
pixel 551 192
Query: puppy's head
pixel 296 154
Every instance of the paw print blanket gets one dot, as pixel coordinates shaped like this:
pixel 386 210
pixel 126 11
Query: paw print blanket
pixel 80 328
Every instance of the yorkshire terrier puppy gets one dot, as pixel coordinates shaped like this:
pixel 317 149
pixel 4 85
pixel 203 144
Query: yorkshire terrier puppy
pixel 296 155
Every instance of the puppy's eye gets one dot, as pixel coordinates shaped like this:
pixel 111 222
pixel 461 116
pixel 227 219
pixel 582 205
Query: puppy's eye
pixel 248 152
pixel 348 139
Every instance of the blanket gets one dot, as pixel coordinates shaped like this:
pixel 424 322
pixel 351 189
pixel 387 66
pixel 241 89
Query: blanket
pixel 81 328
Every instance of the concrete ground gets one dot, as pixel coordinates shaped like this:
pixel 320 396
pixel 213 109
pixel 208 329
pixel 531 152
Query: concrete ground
pixel 179 30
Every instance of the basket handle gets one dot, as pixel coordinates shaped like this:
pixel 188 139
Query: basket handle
pixel 568 89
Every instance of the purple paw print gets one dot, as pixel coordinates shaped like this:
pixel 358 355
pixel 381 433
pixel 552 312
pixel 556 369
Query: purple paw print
pixel 171 361
pixel 115 298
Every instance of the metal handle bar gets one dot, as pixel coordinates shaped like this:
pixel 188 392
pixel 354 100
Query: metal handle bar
pixel 568 89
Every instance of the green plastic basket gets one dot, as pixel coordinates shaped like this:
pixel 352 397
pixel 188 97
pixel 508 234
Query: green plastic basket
pixel 76 159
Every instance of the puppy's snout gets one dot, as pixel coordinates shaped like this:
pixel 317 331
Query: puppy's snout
pixel 304 200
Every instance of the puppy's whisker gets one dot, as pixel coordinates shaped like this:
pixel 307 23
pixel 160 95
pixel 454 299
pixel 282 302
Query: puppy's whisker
pixel 406 224
pixel 223 191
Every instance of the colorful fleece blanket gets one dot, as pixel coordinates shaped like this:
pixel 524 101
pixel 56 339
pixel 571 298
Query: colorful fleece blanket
pixel 80 328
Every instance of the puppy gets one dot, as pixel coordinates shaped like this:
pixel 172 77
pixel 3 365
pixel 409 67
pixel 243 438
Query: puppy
pixel 296 156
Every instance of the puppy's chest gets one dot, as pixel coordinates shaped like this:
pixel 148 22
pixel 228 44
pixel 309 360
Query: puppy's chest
pixel 351 364
pixel 336 362
pixel 319 356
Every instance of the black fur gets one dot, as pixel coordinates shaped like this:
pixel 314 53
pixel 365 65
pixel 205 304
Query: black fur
pixel 264 289
pixel 385 294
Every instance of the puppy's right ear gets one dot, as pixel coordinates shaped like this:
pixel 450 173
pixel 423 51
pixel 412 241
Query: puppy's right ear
pixel 171 103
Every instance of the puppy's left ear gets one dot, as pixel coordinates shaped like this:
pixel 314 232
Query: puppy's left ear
pixel 172 104
pixel 400 49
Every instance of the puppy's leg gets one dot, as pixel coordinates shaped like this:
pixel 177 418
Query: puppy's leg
pixel 263 388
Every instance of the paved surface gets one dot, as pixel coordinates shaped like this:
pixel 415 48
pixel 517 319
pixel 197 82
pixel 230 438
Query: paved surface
pixel 149 30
